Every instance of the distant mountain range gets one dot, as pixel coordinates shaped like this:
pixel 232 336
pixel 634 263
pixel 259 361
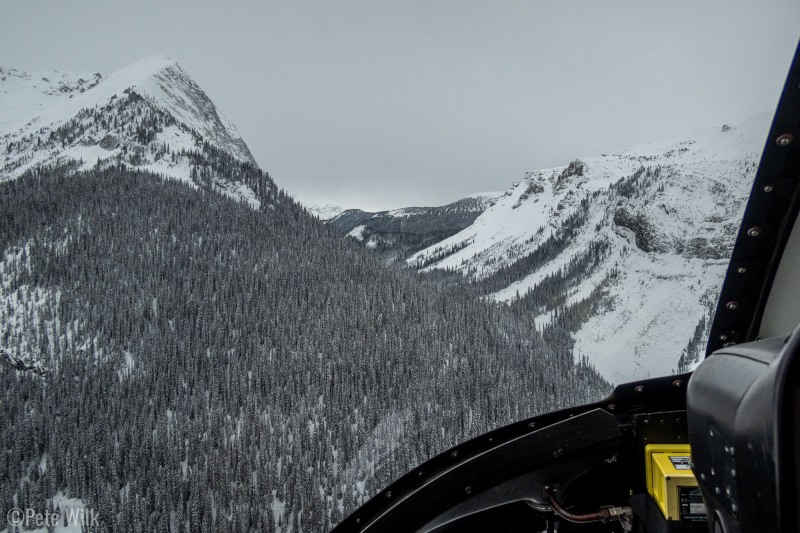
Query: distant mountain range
pixel 400 232
pixel 639 240
pixel 325 212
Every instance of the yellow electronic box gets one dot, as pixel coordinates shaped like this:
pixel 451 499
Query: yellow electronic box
pixel 672 484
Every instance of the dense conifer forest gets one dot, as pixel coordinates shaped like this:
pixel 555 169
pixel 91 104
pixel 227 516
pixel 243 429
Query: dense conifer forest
pixel 184 362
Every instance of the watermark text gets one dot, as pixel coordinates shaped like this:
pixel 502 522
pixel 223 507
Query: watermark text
pixel 69 516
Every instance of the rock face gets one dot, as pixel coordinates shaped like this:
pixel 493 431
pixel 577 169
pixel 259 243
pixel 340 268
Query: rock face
pixel 533 188
pixel 171 88
pixel 643 230
pixel 575 168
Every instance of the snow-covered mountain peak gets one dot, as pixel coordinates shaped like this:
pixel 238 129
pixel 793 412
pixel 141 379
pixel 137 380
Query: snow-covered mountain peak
pixel 47 100
pixel 168 86
pixel 149 65
pixel 325 212
pixel 149 115
pixel 635 243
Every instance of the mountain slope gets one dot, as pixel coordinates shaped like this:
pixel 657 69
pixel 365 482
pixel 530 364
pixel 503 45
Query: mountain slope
pixel 640 239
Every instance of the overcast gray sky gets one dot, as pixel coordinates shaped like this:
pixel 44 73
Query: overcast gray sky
pixel 385 104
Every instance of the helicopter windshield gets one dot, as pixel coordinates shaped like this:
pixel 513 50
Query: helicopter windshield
pixel 429 221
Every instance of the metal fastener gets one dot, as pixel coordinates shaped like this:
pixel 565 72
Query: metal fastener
pixel 767 188
pixel 785 139
pixel 732 305
pixel 741 270
pixel 754 232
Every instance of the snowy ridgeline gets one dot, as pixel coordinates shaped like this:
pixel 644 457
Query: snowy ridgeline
pixel 150 115
pixel 185 348
pixel 627 251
